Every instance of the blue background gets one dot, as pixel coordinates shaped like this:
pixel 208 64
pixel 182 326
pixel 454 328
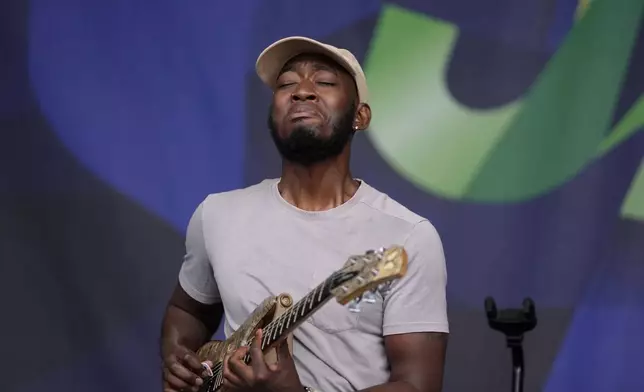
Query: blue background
pixel 118 118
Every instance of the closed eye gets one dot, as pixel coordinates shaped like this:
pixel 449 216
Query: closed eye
pixel 284 85
pixel 326 83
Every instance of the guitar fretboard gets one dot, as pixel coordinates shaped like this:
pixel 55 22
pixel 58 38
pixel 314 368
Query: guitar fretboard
pixel 297 313
pixel 288 321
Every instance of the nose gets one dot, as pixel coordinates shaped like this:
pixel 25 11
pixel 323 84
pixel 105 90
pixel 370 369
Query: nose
pixel 304 92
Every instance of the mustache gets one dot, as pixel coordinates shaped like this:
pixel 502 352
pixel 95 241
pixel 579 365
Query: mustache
pixel 302 107
pixel 304 110
pixel 342 120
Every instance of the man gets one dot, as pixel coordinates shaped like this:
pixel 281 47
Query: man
pixel 289 234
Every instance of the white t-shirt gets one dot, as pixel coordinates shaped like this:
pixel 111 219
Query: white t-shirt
pixel 245 245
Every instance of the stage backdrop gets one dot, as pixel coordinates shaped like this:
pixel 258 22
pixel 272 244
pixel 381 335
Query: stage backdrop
pixel 514 126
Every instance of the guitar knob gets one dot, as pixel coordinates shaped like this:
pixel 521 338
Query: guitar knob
pixel 354 307
pixel 369 297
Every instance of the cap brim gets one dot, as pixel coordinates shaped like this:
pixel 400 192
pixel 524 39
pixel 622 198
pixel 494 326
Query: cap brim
pixel 271 61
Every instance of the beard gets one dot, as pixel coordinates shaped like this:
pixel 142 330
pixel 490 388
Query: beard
pixel 305 147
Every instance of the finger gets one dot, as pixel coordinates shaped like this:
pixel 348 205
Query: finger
pixel 187 360
pixel 178 370
pixel 230 385
pixel 167 387
pixel 283 356
pixel 231 379
pixel 257 356
pixel 192 362
pixel 174 383
pixel 237 366
pixel 228 374
pixel 283 351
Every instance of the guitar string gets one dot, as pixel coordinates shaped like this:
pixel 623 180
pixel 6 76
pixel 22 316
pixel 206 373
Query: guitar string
pixel 278 322
pixel 283 320
pixel 272 327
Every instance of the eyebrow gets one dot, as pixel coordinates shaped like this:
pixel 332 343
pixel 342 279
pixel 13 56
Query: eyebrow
pixel 316 67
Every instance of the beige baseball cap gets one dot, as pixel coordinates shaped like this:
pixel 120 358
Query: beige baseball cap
pixel 271 61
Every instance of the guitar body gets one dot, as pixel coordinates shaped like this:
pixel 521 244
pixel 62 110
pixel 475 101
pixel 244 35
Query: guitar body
pixel 360 277
pixel 270 309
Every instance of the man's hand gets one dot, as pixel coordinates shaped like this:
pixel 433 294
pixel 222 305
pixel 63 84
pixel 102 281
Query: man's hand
pixel 258 376
pixel 182 370
pixel 187 325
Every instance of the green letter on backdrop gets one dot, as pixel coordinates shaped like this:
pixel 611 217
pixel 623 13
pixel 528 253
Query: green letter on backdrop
pixel 514 152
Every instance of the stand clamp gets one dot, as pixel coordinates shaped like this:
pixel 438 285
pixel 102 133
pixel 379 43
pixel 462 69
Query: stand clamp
pixel 513 323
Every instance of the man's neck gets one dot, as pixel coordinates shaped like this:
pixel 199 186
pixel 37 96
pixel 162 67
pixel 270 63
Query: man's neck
pixel 318 187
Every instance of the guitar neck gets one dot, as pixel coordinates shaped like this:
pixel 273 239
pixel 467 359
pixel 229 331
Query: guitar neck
pixel 283 325
pixel 359 277
pixel 277 330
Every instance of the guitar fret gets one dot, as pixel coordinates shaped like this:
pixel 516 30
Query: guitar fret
pixel 216 381
pixel 294 313
pixel 266 333
pixel 274 330
pixel 219 380
pixel 275 334
pixel 321 288
pixel 310 300
pixel 299 310
pixel 265 341
pixel 304 306
pixel 346 281
pixel 281 324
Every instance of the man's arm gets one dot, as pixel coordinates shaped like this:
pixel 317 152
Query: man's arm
pixel 417 362
pixel 188 322
pixel 193 312
pixel 415 324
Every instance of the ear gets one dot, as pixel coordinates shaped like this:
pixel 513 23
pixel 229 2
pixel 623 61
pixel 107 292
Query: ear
pixel 363 117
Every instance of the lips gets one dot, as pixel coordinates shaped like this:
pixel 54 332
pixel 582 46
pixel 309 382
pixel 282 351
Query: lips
pixel 299 112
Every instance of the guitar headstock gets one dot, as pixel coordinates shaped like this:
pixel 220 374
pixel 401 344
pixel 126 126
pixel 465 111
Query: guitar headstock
pixel 363 275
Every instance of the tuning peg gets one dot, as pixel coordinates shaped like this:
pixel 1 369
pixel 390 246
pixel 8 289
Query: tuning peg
pixel 369 297
pixel 354 306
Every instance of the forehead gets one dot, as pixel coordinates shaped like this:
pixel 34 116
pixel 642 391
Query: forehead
pixel 313 62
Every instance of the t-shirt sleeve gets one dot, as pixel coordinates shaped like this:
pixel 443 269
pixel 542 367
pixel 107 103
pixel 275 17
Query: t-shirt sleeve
pixel 417 301
pixel 196 275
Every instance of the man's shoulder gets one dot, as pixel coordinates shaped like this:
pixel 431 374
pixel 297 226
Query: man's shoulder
pixel 390 207
pixel 239 197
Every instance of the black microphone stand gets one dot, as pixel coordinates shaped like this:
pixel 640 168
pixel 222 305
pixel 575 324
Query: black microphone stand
pixel 513 323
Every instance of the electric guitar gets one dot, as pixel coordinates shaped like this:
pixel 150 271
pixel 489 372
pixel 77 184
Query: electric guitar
pixel 361 277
